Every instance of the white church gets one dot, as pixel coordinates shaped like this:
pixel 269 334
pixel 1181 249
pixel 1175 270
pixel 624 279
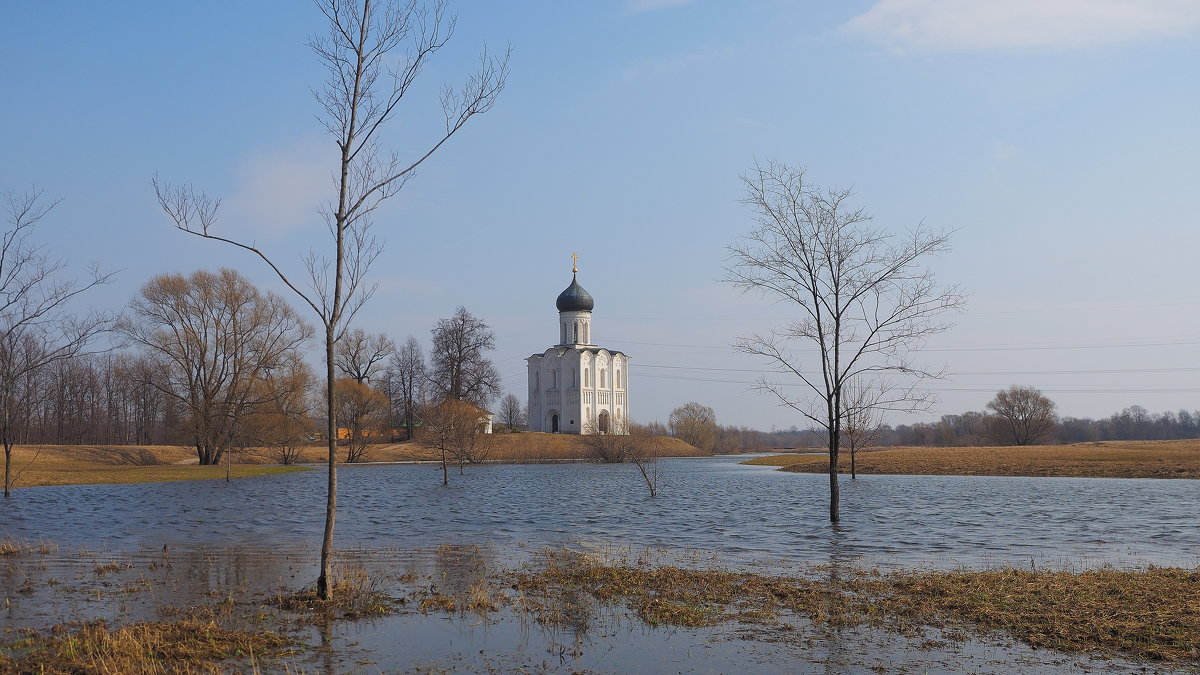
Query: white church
pixel 576 387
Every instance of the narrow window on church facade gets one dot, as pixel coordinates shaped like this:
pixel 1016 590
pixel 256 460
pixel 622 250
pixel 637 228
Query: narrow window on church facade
pixel 603 378
pixel 585 377
pixel 618 378
pixel 572 377
pixel 576 333
pixel 554 379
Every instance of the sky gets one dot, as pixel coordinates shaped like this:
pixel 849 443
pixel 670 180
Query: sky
pixel 1058 139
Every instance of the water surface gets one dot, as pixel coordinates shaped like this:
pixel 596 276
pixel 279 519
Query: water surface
pixel 737 514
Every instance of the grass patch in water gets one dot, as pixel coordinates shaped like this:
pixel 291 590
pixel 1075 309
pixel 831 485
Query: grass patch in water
pixel 356 595
pixel 145 647
pixel 10 547
pixel 1151 614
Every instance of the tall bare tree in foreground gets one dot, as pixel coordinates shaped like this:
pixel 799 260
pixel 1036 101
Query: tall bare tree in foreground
pixel 1022 416
pixel 366 84
pixel 864 299
pixel 36 329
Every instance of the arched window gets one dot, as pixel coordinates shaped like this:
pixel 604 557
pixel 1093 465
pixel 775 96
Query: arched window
pixel 554 379
pixel 585 377
pixel 572 377
pixel 603 378
pixel 618 378
pixel 576 333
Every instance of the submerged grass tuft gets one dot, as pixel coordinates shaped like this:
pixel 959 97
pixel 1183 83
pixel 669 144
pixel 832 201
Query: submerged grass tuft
pixel 356 595
pixel 10 547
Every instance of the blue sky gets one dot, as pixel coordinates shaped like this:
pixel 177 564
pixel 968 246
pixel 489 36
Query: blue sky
pixel 1059 138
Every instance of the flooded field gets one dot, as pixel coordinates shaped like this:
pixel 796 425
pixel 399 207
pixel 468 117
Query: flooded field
pixel 131 552
pixel 741 514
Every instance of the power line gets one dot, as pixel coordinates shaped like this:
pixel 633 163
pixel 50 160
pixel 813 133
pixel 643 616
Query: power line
pixel 1094 371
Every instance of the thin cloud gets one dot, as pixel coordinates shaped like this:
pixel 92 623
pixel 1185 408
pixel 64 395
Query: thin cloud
pixel 959 25
pixel 280 189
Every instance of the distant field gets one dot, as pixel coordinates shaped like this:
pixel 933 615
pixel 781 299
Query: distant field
pixel 522 447
pixel 82 464
pixel 1105 459
pixel 85 464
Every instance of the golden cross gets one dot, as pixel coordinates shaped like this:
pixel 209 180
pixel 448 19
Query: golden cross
pixel 574 269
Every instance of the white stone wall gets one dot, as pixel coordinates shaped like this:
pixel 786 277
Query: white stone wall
pixel 581 385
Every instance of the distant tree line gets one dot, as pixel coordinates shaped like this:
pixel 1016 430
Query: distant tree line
pixel 1134 423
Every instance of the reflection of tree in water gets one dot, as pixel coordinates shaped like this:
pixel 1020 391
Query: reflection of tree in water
pixel 836 649
pixel 196 574
pixel 457 569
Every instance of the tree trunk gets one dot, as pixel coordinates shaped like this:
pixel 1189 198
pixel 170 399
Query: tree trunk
pixel 853 470
pixel 445 471
pixel 325 581
pixel 7 469
pixel 834 497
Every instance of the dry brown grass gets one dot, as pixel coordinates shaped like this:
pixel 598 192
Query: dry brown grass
pixel 1151 614
pixel 93 464
pixel 1107 459
pixel 522 447
pixel 149 647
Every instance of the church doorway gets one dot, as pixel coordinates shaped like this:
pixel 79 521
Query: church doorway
pixel 554 424
pixel 602 422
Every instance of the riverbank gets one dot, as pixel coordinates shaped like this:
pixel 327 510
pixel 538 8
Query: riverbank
pixel 39 465
pixel 1105 459
pixel 456 607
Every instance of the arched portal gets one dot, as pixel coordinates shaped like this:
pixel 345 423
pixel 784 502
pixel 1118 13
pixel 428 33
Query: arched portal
pixel 553 423
pixel 602 422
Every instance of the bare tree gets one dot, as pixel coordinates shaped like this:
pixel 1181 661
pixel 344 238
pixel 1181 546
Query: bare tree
pixel 364 413
pixel 862 418
pixel 407 374
pixel 357 354
pixel 865 301
pixel 1023 416
pixel 362 94
pixel 285 422
pixel 512 413
pixel 611 446
pixel 645 451
pixel 450 427
pixel 695 424
pixel 36 328
pixel 212 341
pixel 458 368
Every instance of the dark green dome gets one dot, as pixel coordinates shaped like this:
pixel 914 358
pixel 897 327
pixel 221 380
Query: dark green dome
pixel 575 299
